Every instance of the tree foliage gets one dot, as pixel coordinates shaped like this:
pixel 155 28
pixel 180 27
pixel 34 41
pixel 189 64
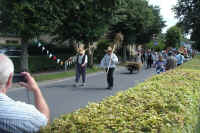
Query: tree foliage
pixel 81 20
pixel 188 13
pixel 173 37
pixel 23 17
pixel 138 21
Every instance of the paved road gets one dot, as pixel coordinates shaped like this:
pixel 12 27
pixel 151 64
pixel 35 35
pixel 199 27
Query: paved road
pixel 63 98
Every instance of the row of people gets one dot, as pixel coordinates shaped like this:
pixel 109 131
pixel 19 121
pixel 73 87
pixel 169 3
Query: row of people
pixel 169 62
pixel 149 58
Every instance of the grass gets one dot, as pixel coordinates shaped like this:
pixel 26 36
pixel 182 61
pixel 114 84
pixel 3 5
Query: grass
pixel 60 75
pixel 194 64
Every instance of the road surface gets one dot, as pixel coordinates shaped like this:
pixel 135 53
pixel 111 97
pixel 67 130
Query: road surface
pixel 63 98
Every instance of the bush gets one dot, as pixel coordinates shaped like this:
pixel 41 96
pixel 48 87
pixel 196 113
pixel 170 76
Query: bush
pixel 166 103
pixel 39 64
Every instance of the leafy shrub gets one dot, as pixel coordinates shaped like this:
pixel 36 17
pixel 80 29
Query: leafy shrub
pixel 166 103
pixel 39 64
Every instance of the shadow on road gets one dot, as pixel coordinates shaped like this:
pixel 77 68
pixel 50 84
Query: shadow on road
pixel 61 86
pixel 128 73
pixel 89 88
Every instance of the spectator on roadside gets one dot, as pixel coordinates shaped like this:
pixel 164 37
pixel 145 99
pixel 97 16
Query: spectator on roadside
pixel 138 57
pixel 149 59
pixel 179 58
pixel 171 61
pixel 16 116
pixel 160 65
pixel 143 59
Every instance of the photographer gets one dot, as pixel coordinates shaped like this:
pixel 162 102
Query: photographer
pixel 15 116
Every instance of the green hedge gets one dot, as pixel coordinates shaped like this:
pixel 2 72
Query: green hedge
pixel 39 64
pixel 166 103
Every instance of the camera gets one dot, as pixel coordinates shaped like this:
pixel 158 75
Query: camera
pixel 19 78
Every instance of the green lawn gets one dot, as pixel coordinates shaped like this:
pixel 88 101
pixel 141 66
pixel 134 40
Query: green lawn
pixel 194 64
pixel 60 75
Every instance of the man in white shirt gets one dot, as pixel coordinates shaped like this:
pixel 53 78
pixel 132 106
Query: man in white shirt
pixel 15 116
pixel 81 63
pixel 109 62
pixel 180 58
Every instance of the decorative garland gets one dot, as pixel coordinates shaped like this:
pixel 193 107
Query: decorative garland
pixel 51 56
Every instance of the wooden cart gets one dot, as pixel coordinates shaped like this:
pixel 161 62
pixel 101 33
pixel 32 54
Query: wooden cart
pixel 133 67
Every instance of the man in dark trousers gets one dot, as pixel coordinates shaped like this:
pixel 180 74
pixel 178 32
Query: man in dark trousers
pixel 171 61
pixel 109 62
pixel 81 63
pixel 149 59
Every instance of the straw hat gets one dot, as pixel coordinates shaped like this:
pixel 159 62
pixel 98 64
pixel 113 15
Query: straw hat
pixel 109 49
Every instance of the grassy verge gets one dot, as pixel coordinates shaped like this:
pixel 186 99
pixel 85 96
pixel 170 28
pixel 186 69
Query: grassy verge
pixel 60 75
pixel 194 64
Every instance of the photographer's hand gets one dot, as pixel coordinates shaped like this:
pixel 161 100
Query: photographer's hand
pixel 40 102
pixel 31 83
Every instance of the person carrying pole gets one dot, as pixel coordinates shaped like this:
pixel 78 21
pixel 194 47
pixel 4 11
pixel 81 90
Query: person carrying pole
pixel 109 62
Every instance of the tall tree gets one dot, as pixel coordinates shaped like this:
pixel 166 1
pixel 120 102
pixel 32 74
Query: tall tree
pixel 188 13
pixel 82 20
pixel 173 37
pixel 25 19
pixel 138 22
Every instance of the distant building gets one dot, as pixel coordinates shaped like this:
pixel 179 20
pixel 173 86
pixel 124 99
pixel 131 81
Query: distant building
pixel 10 39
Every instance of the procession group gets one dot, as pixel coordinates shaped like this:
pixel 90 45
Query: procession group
pixel 161 61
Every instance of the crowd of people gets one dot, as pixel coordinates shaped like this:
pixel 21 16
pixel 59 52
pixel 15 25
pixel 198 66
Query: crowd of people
pixel 163 60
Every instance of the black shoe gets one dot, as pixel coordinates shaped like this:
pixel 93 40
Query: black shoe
pixel 110 88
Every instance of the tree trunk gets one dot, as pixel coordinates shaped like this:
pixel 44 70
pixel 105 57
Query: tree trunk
pixel 124 53
pixel 24 56
pixel 90 56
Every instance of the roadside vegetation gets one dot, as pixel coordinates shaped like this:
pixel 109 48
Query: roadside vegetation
pixel 165 103
pixel 194 64
pixel 62 74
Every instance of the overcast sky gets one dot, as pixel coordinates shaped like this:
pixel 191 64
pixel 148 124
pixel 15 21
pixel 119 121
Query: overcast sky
pixel 168 15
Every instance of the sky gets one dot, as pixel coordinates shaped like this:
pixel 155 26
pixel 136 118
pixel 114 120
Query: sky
pixel 166 13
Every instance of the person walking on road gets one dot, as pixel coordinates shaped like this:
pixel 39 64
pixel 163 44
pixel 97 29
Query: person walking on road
pixel 171 61
pixel 149 59
pixel 81 64
pixel 109 62
pixel 16 116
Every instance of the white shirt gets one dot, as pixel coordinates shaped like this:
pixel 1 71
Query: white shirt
pixel 106 60
pixel 19 117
